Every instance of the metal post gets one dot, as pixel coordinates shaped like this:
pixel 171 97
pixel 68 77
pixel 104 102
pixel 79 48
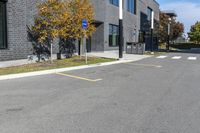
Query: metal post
pixel 121 38
pixel 86 58
pixel 168 32
pixel 81 47
pixel 152 41
pixel 152 27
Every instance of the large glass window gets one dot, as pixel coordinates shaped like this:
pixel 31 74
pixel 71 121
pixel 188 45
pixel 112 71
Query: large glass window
pixel 3 33
pixel 114 2
pixel 113 35
pixel 149 13
pixel 131 6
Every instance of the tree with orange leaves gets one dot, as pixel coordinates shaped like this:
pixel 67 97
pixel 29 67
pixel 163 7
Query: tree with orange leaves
pixel 47 21
pixel 78 10
pixel 63 19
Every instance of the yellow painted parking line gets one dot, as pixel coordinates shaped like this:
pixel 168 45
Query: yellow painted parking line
pixel 145 65
pixel 77 77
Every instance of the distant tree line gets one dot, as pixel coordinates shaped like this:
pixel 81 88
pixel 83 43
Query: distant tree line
pixel 194 34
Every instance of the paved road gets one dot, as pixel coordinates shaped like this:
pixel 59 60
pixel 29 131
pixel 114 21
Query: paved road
pixel 154 95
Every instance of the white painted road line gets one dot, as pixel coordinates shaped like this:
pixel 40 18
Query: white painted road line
pixel 192 58
pixel 77 77
pixel 176 57
pixel 161 57
pixel 145 65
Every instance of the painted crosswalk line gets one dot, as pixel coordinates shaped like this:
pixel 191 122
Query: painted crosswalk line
pixel 176 57
pixel 161 57
pixel 192 58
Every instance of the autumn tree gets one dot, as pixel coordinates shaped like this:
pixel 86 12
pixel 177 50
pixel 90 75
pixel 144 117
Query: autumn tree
pixel 176 28
pixel 78 10
pixel 47 21
pixel 194 33
pixel 164 20
pixel 63 19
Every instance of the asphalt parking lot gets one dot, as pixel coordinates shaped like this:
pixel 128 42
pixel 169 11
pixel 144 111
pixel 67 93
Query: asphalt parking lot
pixel 154 95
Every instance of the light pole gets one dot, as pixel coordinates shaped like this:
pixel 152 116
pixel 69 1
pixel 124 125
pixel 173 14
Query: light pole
pixel 121 38
pixel 168 32
pixel 152 28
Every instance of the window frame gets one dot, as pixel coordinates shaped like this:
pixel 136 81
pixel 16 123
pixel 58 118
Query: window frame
pixel 149 16
pixel 5 36
pixel 132 8
pixel 113 2
pixel 117 35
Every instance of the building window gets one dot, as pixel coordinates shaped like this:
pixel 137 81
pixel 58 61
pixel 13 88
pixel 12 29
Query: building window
pixel 131 6
pixel 114 2
pixel 141 36
pixel 3 31
pixel 149 13
pixel 144 23
pixel 113 35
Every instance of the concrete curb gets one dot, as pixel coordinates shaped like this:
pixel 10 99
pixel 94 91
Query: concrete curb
pixel 45 72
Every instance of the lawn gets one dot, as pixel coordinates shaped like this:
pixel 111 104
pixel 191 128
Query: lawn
pixel 74 61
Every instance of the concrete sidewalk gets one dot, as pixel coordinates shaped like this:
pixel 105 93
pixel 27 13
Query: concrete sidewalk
pixel 105 54
pixel 4 64
pixel 110 54
pixel 11 63
pixel 115 55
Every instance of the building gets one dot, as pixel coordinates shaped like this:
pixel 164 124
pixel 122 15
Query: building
pixel 17 14
pixel 170 13
pixel 13 35
pixel 145 8
pixel 107 20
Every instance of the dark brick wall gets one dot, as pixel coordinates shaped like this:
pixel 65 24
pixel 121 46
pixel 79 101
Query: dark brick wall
pixel 20 13
pixel 18 46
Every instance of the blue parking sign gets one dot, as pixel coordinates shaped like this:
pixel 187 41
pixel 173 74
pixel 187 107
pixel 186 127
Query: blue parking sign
pixel 84 24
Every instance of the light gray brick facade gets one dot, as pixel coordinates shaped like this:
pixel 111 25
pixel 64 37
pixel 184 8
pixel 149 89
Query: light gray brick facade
pixel 20 13
pixel 107 13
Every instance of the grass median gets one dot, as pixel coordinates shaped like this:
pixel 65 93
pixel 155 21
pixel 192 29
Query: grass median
pixel 71 62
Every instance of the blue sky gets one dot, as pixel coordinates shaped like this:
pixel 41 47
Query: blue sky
pixel 188 11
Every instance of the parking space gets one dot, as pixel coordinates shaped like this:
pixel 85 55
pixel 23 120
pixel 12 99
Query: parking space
pixel 144 65
pixel 143 94
pixel 78 77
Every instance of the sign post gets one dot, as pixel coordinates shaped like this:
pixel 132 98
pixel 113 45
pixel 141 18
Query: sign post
pixel 84 27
